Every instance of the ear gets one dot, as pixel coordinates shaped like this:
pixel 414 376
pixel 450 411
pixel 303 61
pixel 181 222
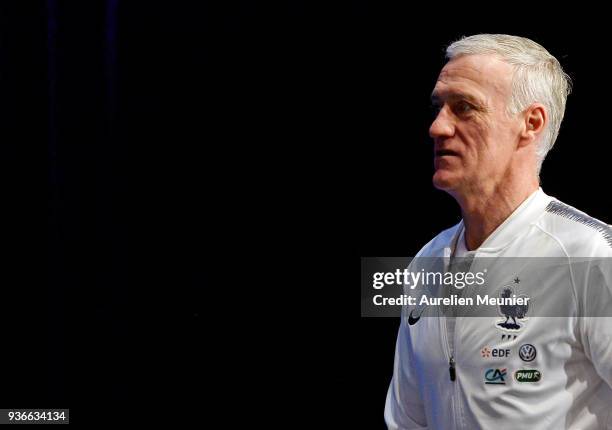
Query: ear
pixel 535 122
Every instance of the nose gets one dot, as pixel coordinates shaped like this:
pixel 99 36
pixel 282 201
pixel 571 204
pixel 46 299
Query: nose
pixel 443 125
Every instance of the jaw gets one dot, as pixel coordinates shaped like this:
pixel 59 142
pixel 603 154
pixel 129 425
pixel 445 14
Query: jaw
pixel 443 185
pixel 446 178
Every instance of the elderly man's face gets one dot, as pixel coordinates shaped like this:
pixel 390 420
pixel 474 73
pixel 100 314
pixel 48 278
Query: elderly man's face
pixel 474 138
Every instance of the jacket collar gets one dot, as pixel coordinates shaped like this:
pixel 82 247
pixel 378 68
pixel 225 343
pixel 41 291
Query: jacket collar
pixel 514 226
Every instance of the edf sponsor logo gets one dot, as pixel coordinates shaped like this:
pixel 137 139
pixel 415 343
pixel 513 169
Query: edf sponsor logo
pixel 487 352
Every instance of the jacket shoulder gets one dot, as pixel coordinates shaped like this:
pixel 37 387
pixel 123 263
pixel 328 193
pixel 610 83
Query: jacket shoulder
pixel 580 234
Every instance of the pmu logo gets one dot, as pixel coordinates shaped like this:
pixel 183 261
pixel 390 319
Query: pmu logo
pixel 528 375
pixel 487 352
pixel 495 376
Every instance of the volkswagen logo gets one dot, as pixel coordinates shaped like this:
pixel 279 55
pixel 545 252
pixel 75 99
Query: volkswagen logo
pixel 527 352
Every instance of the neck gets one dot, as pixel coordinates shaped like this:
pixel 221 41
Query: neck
pixel 486 209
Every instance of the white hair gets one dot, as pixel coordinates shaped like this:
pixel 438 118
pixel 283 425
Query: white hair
pixel 538 77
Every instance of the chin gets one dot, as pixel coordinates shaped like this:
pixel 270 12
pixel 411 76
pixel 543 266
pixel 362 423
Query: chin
pixel 444 180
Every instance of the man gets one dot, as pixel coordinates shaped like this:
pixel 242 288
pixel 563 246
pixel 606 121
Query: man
pixel 500 101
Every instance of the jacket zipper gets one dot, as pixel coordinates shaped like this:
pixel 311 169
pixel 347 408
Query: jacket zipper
pixel 452 375
pixel 452 371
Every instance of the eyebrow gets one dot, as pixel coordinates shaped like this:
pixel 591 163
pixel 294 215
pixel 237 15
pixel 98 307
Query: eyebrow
pixel 435 98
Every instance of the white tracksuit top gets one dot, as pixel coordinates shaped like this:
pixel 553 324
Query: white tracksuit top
pixel 570 355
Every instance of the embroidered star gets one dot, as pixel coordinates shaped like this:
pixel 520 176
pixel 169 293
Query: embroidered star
pixel 517 280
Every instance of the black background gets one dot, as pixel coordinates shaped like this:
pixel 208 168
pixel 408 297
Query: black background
pixel 200 154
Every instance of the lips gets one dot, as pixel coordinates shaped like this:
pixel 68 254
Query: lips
pixel 446 152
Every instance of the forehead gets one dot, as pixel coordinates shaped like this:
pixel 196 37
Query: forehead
pixel 481 76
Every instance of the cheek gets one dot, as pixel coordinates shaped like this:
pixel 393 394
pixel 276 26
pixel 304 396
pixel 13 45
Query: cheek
pixel 505 138
pixel 477 140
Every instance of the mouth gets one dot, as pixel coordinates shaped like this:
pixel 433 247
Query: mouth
pixel 446 153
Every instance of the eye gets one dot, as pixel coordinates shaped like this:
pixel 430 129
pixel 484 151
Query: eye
pixel 463 107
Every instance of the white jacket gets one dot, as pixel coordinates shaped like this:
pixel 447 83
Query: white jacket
pixel 548 373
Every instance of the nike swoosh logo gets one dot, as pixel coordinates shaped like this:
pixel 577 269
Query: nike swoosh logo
pixel 413 321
